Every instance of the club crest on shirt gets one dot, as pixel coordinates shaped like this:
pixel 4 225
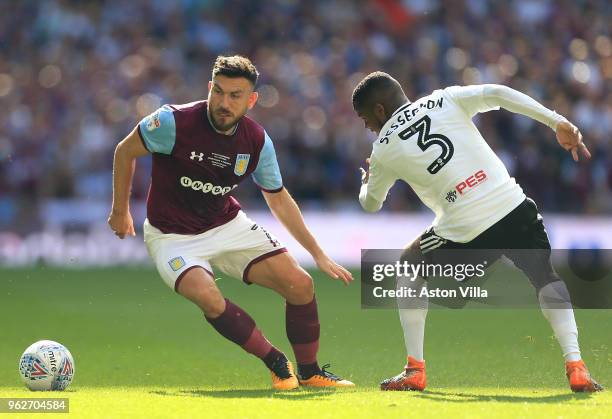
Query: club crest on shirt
pixel 242 162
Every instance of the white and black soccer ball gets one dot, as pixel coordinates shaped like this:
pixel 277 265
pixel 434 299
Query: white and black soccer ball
pixel 46 365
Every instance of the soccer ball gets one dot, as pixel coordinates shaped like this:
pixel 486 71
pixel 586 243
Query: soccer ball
pixel 46 365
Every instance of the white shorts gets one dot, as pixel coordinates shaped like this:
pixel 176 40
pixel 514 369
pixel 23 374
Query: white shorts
pixel 232 248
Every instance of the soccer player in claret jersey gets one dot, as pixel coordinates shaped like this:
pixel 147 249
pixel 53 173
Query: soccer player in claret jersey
pixel 433 145
pixel 201 152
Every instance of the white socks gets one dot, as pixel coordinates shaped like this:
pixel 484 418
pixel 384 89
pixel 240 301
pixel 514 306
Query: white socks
pixel 557 309
pixel 412 314
pixel 554 302
pixel 413 323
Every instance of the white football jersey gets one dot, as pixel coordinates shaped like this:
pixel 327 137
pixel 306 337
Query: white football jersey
pixel 433 145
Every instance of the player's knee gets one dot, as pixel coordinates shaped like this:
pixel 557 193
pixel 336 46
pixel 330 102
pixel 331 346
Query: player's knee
pixel 206 296
pixel 211 302
pixel 548 278
pixel 214 308
pixel 301 288
pixel 412 253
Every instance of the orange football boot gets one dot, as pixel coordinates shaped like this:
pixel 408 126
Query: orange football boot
pixel 283 377
pixel 579 378
pixel 412 378
pixel 325 378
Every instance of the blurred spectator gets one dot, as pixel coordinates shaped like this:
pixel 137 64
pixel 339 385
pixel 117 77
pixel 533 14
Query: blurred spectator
pixel 76 76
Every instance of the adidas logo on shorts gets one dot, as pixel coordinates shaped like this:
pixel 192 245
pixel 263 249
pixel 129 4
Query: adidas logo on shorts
pixel 430 241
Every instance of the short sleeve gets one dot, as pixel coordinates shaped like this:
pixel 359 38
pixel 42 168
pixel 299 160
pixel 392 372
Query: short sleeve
pixel 470 98
pixel 267 173
pixel 158 130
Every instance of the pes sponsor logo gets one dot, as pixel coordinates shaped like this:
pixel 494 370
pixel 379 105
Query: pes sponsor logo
pixel 207 187
pixel 465 186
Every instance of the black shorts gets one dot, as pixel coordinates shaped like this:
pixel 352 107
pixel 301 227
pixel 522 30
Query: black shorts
pixel 522 228
pixel 520 236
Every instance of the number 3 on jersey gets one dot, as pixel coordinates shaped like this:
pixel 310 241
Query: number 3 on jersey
pixel 426 140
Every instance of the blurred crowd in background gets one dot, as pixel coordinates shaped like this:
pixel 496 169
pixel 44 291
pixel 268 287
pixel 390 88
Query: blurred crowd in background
pixel 76 76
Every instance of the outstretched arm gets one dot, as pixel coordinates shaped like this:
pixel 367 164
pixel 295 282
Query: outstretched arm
pixel 491 96
pixel 286 210
pixel 568 135
pixel 126 152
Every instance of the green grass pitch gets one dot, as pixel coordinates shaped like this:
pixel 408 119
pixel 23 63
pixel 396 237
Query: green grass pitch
pixel 142 351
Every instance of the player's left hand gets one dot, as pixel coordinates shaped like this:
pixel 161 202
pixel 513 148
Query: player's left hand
pixel 570 138
pixel 333 269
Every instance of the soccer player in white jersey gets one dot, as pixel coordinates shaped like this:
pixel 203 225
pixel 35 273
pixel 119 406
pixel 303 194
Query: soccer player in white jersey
pixel 433 145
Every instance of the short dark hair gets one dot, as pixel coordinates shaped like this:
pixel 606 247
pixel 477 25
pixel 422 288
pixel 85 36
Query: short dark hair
pixel 236 66
pixel 376 87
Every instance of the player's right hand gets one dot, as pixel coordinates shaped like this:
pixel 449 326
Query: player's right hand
pixel 570 138
pixel 121 224
pixel 365 174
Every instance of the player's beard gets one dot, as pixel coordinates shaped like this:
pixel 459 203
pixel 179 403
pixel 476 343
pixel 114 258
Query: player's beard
pixel 229 121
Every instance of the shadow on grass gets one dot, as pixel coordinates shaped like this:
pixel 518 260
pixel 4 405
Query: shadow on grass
pixel 298 394
pixel 453 397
